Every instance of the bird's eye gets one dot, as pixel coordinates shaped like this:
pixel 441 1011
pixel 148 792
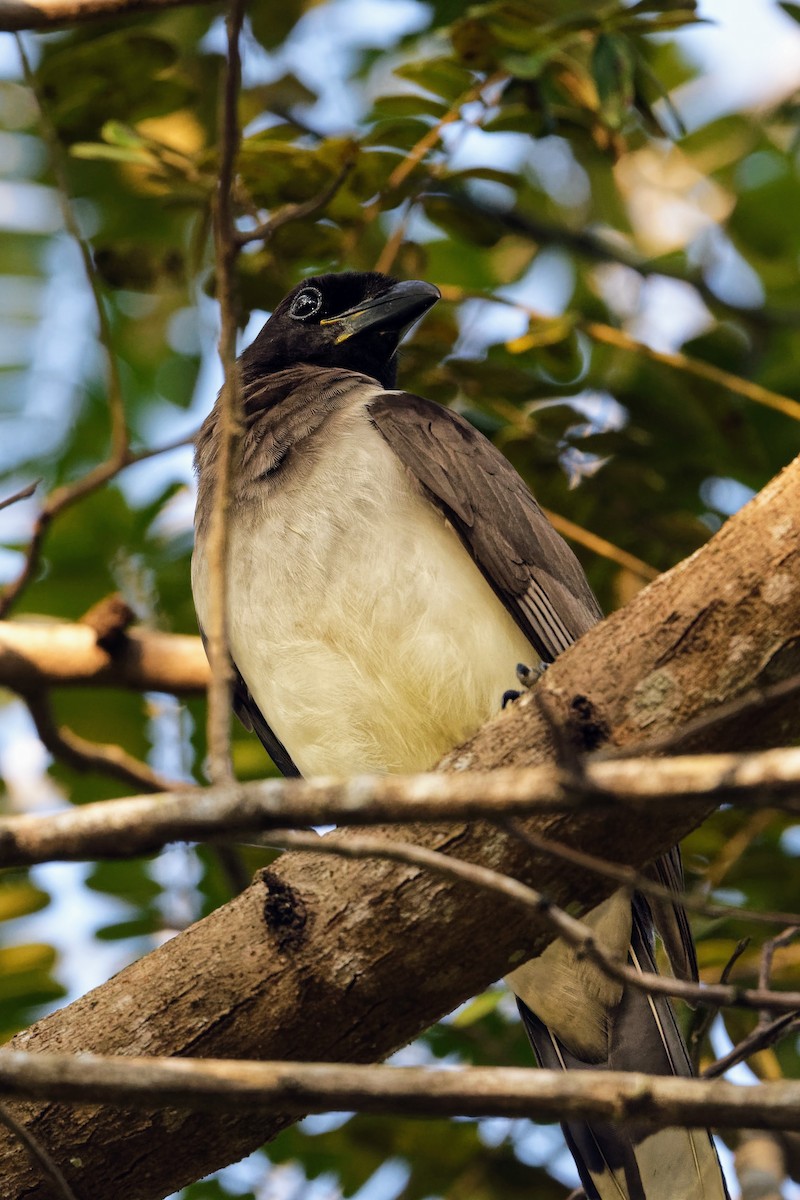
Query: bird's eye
pixel 306 304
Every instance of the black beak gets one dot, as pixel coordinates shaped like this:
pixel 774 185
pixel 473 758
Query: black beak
pixel 395 310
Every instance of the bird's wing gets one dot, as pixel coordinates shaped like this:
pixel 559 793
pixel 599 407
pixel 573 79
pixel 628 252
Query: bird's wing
pixel 616 1163
pixel 540 582
pixel 251 717
pixel 528 565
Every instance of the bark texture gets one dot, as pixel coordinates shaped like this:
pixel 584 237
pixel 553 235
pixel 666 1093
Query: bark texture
pixel 324 959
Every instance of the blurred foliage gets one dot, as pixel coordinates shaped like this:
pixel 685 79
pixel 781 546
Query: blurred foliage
pixel 527 157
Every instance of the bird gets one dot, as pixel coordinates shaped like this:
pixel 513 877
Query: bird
pixel 387 571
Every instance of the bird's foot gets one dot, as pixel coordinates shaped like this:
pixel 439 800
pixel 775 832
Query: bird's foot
pixel 528 678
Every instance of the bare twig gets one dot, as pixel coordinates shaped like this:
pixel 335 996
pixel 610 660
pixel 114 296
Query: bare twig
pixel 294 212
pixel 138 824
pixel 429 139
pixel 636 881
pixel 37 1153
pixel 22 494
pixel 82 755
pixel 767 1031
pixel 703 1020
pixel 764 1035
pixel 296 1088
pixel 768 953
pixel 574 932
pixel 63 498
pixel 596 246
pixel 602 546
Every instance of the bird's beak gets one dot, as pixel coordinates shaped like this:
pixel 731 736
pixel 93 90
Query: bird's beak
pixel 395 310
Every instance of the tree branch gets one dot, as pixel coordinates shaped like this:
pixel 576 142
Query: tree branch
pixel 36 655
pixel 52 14
pixel 82 755
pixel 298 1088
pixel 142 824
pixel 325 959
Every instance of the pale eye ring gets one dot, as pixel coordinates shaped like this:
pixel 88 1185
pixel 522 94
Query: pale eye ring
pixel 306 304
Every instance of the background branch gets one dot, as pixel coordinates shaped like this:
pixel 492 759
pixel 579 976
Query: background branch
pixel 37 655
pixel 52 14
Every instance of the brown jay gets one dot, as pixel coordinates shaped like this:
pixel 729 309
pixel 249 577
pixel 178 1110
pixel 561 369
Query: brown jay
pixel 388 570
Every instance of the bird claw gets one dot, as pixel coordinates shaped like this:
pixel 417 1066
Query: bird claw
pixel 528 678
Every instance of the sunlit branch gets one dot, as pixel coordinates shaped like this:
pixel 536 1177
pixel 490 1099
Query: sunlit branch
pixel 122 828
pixel 610 336
pixel 74 751
pixel 296 1088
pixel 37 655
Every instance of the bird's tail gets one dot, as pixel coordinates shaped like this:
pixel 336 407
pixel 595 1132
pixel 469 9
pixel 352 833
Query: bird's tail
pixel 617 1163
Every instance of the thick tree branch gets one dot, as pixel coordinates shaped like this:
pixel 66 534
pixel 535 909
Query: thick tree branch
pixel 297 1088
pixel 327 959
pixel 37 655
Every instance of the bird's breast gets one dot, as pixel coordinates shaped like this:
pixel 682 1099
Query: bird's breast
pixel 366 635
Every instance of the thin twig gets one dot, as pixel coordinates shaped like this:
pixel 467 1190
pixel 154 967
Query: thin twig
pixel 573 931
pixel 763 1036
pixel 63 498
pixel 294 212
pixel 82 755
pixel 603 248
pixel 600 545
pixel 704 1020
pixel 37 1153
pixel 636 881
pixel 22 494
pixel 429 139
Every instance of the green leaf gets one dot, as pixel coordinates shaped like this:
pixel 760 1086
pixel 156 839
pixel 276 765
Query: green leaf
pixel 613 72
pixel 441 76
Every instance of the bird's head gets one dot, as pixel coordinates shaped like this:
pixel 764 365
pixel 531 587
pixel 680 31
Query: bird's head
pixel 353 320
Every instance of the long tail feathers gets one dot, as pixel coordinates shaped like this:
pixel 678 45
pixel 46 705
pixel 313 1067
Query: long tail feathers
pixel 621 1163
